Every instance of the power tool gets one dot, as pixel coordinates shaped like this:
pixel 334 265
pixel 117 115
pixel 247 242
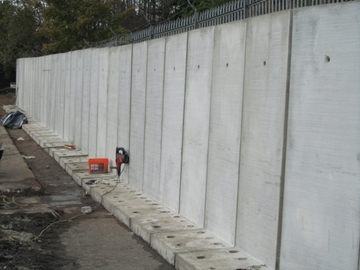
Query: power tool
pixel 121 157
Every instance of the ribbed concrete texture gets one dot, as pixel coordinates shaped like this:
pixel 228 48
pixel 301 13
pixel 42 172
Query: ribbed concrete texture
pixel 224 140
pixel 113 97
pixel 247 131
pixel 137 115
pixel 262 135
pixel 196 124
pixel 85 102
pixel 172 121
pixel 123 109
pixel 93 119
pixel 322 202
pixel 153 116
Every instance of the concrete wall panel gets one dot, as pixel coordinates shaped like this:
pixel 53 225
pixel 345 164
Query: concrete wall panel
pixel 72 95
pixel 51 94
pixel 19 82
pixel 225 130
pixel 102 101
pixel 47 73
pixel 266 69
pixel 196 126
pixel 153 124
pixel 29 83
pixel 113 103
pixel 321 223
pixel 124 103
pixel 58 121
pixel 137 124
pixel 78 98
pixel 61 101
pixel 67 92
pixel 173 114
pixel 36 100
pixel 86 101
pixel 93 124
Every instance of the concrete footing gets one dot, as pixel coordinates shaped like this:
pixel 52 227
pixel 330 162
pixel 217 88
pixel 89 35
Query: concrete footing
pixel 178 240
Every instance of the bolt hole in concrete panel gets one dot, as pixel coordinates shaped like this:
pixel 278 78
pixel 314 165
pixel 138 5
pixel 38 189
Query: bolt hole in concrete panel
pixel 170 236
pixel 148 201
pixel 115 197
pixel 180 245
pixel 176 216
pixel 242 259
pixel 227 64
pixel 136 212
pixel 164 211
pixel 200 257
pixel 212 268
pixel 216 244
pixel 156 227
pixel 233 251
pixel 327 58
pixel 198 66
pixel 264 63
pixel 142 197
pixel 201 232
pixel 120 201
pixel 154 204
pixel 190 226
pixel 129 207
pixel 174 68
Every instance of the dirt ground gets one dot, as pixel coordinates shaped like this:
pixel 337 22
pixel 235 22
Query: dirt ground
pixel 63 238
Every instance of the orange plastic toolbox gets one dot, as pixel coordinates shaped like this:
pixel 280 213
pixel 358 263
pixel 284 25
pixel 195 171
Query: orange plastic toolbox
pixel 98 165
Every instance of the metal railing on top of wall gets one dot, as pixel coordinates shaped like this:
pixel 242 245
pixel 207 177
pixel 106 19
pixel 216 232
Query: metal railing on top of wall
pixel 231 11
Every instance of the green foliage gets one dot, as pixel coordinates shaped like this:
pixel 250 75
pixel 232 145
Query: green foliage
pixel 18 34
pixel 70 25
pixel 182 8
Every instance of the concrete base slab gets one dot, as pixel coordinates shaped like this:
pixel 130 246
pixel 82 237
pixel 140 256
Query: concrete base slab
pixel 43 133
pixel 53 142
pixel 224 259
pixel 39 138
pixel 68 160
pixel 160 221
pixel 170 244
pixel 78 166
pixel 81 176
pixel 125 211
pixel 57 154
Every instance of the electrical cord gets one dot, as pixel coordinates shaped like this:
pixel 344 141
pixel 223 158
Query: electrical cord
pixel 117 182
pixel 41 233
pixel 12 202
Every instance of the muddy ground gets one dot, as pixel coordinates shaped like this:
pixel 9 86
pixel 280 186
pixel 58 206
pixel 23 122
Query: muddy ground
pixel 63 238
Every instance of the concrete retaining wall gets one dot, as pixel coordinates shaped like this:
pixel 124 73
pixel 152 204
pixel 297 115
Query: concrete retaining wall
pixel 249 129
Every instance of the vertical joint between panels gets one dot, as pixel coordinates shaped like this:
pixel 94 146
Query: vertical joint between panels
pixel 284 150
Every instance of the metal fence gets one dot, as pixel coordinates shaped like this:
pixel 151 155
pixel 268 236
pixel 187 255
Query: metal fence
pixel 231 11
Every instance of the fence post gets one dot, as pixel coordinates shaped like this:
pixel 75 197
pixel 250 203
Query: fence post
pixel 246 10
pixel 196 20
pixel 151 32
